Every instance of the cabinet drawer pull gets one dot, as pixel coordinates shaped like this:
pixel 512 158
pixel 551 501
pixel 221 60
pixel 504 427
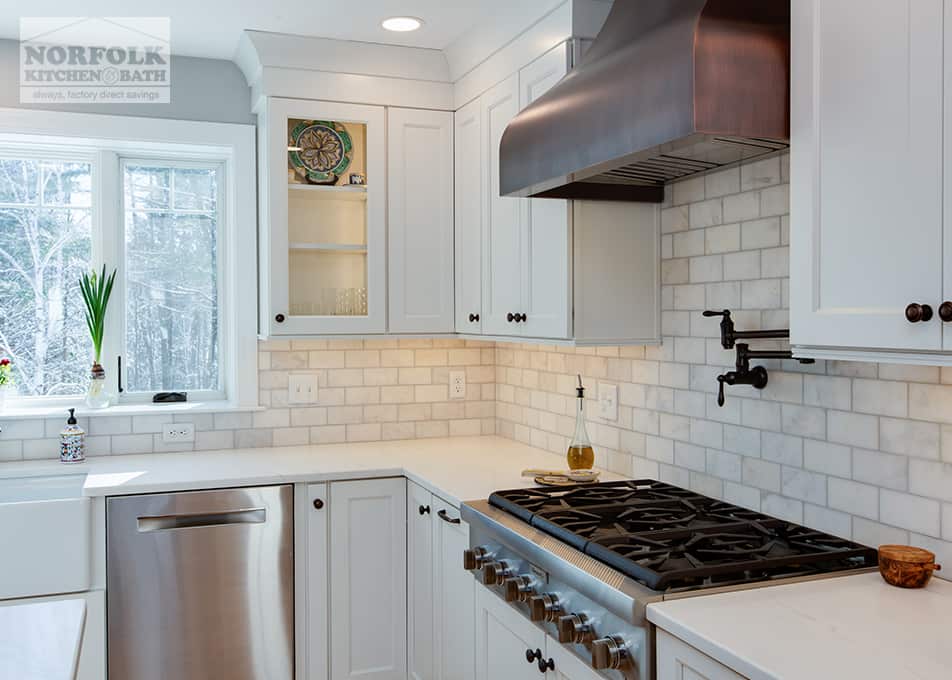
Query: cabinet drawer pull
pixel 442 514
pixel 916 313
pixel 945 311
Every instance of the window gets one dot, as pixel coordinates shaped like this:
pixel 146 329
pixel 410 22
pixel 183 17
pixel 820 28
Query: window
pixel 45 246
pixel 171 277
pixel 176 219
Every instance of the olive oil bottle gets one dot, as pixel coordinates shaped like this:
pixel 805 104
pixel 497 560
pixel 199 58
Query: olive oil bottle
pixel 581 455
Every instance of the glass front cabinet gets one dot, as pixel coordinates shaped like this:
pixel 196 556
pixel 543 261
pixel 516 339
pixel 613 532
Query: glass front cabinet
pixel 323 203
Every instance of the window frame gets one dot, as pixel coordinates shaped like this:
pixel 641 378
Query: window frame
pixel 221 237
pixel 109 141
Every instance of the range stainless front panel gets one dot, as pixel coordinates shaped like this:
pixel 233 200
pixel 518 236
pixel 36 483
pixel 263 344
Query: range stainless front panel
pixel 200 585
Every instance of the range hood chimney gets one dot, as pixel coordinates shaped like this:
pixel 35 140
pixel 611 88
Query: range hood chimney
pixel 668 89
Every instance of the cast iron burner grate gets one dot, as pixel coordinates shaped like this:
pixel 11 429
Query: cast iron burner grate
pixel 672 538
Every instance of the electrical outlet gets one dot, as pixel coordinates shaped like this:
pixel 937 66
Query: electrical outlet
pixel 302 388
pixel 457 384
pixel 177 433
pixel 607 401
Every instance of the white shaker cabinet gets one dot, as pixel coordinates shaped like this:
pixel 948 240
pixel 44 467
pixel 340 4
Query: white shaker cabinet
pixel 420 585
pixel 503 256
pixel 440 593
pixel 322 235
pixel 310 574
pixel 454 591
pixel 867 224
pixel 469 180
pixel 420 160
pixel 503 635
pixel 546 228
pixel 367 544
pixel 679 661
pixel 548 269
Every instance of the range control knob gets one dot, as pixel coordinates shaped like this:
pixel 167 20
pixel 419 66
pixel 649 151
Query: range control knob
pixel 574 629
pixel 609 652
pixel 474 558
pixel 545 607
pixel 518 588
pixel 494 573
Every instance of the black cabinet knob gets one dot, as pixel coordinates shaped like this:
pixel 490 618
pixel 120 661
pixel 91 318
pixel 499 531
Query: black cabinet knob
pixel 279 318
pixel 916 313
pixel 473 318
pixel 424 509
pixel 532 656
pixel 945 311
pixel 510 317
pixel 318 504
pixel 546 665
pixel 521 317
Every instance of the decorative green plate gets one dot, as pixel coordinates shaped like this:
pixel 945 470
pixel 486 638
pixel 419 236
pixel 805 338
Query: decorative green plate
pixel 325 150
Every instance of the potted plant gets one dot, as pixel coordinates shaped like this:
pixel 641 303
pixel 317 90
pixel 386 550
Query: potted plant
pixel 6 379
pixel 96 290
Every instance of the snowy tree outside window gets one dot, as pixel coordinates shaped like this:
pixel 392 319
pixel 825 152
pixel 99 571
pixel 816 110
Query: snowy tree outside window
pixel 45 246
pixel 171 277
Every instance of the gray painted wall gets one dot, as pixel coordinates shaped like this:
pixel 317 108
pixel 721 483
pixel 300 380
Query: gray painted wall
pixel 202 89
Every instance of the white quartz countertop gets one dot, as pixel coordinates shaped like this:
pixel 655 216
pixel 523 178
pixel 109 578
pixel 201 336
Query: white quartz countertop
pixel 847 627
pixel 41 640
pixel 457 469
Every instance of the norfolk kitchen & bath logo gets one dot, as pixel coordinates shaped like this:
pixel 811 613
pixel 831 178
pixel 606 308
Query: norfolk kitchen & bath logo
pixel 95 60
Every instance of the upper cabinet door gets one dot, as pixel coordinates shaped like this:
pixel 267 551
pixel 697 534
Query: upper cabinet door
pixel 324 230
pixel 502 233
pixel 546 227
pixel 866 172
pixel 420 160
pixel 470 185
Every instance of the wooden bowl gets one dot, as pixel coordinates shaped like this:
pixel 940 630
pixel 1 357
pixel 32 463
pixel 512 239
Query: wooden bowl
pixel 906 567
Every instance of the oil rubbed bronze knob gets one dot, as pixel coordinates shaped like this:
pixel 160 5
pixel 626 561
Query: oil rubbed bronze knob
pixel 473 318
pixel 533 656
pixel 318 504
pixel 510 317
pixel 945 311
pixel 279 318
pixel 916 313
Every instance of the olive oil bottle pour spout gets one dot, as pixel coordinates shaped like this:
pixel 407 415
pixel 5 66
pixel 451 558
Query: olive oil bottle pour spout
pixel 581 455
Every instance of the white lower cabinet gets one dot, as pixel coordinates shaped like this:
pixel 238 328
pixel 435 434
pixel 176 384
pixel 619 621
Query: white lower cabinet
pixel 504 636
pixel 678 660
pixel 368 579
pixel 440 594
pixel 454 591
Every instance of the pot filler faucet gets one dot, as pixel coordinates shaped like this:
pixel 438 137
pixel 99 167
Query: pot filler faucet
pixel 743 373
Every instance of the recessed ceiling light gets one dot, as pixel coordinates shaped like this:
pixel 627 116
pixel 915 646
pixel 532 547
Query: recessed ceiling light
pixel 402 24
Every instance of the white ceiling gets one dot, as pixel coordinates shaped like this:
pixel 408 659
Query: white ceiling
pixel 210 28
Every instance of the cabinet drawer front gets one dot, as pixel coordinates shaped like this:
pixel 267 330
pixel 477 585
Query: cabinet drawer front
pixel 679 661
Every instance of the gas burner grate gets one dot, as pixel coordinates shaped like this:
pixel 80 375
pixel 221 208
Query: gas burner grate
pixel 671 538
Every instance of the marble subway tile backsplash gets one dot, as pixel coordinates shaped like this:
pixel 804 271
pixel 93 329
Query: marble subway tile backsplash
pixel 857 449
pixel 369 390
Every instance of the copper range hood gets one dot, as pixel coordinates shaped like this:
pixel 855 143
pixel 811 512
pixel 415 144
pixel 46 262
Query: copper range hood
pixel 668 89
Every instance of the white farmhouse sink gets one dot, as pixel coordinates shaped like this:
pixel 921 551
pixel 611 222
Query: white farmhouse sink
pixel 45 534
pixel 18 489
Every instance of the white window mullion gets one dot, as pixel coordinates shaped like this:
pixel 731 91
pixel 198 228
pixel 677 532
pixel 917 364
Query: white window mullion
pixel 108 250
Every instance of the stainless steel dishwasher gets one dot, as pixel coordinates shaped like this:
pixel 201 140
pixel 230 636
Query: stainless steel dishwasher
pixel 200 585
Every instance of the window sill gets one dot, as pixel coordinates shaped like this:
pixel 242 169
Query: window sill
pixel 18 412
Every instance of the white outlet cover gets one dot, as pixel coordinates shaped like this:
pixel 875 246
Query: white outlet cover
pixel 177 433
pixel 302 388
pixel 608 401
pixel 457 384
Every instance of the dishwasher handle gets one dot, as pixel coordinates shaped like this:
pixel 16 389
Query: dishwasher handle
pixel 151 523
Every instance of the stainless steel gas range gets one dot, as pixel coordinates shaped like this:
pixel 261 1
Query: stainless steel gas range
pixel 584 562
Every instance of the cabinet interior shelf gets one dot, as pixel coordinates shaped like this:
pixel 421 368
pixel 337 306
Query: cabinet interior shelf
pixel 330 247
pixel 337 192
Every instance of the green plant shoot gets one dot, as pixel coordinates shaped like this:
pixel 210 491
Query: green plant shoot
pixel 96 289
